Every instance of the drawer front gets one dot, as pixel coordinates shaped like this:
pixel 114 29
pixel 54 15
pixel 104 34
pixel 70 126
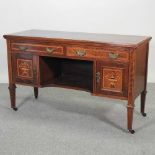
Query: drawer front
pixel 97 53
pixel 112 55
pixel 112 78
pixel 80 52
pixel 37 48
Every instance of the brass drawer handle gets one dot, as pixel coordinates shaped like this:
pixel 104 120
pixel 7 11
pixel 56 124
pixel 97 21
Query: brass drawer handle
pixel 23 48
pixel 50 50
pixel 80 53
pixel 113 55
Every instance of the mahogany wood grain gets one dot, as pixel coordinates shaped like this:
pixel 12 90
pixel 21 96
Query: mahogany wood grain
pixel 122 40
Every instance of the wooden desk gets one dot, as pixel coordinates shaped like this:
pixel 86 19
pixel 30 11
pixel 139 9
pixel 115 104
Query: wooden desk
pixel 114 66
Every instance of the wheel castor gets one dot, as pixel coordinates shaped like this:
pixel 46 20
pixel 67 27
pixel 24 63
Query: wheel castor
pixel 144 114
pixel 15 108
pixel 131 131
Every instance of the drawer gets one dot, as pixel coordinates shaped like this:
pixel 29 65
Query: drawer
pixel 112 55
pixel 42 49
pixel 97 53
pixel 80 52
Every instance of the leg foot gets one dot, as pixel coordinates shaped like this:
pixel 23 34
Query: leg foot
pixel 35 92
pixel 130 118
pixel 143 97
pixel 131 131
pixel 12 89
pixel 130 109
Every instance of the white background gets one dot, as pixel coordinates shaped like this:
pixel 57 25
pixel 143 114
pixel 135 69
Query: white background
pixel 134 17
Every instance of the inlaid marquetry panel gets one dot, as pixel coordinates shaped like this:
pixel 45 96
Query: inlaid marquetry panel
pixel 112 79
pixel 24 68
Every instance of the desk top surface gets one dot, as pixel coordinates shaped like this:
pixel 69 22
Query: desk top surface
pixel 125 40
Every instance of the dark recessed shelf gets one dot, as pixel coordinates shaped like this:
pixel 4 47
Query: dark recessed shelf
pixel 66 73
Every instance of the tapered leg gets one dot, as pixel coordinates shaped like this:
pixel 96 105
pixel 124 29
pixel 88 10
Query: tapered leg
pixel 12 90
pixel 143 97
pixel 130 109
pixel 36 92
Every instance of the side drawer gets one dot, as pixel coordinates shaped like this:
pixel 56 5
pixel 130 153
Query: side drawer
pixel 37 48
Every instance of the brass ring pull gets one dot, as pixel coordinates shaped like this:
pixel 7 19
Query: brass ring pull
pixel 50 50
pixel 113 55
pixel 23 48
pixel 80 53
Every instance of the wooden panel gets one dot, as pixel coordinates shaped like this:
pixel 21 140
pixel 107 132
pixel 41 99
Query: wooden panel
pixel 141 58
pixel 49 69
pixel 37 48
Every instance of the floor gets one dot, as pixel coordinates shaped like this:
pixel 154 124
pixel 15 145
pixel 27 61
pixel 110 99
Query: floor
pixel 70 122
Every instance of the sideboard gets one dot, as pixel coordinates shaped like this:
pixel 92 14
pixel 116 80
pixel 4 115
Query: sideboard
pixel 113 66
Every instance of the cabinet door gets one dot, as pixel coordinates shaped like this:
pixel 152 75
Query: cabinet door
pixel 23 69
pixel 112 78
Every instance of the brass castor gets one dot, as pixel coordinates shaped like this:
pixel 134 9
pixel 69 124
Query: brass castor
pixel 15 108
pixel 144 114
pixel 131 131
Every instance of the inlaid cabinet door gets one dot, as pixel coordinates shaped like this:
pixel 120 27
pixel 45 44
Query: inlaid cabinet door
pixel 112 78
pixel 24 69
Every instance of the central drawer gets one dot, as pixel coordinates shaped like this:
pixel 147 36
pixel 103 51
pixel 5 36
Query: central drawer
pixel 80 52
pixel 37 48
pixel 96 53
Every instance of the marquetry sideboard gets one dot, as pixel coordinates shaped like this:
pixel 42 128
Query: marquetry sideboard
pixel 114 66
